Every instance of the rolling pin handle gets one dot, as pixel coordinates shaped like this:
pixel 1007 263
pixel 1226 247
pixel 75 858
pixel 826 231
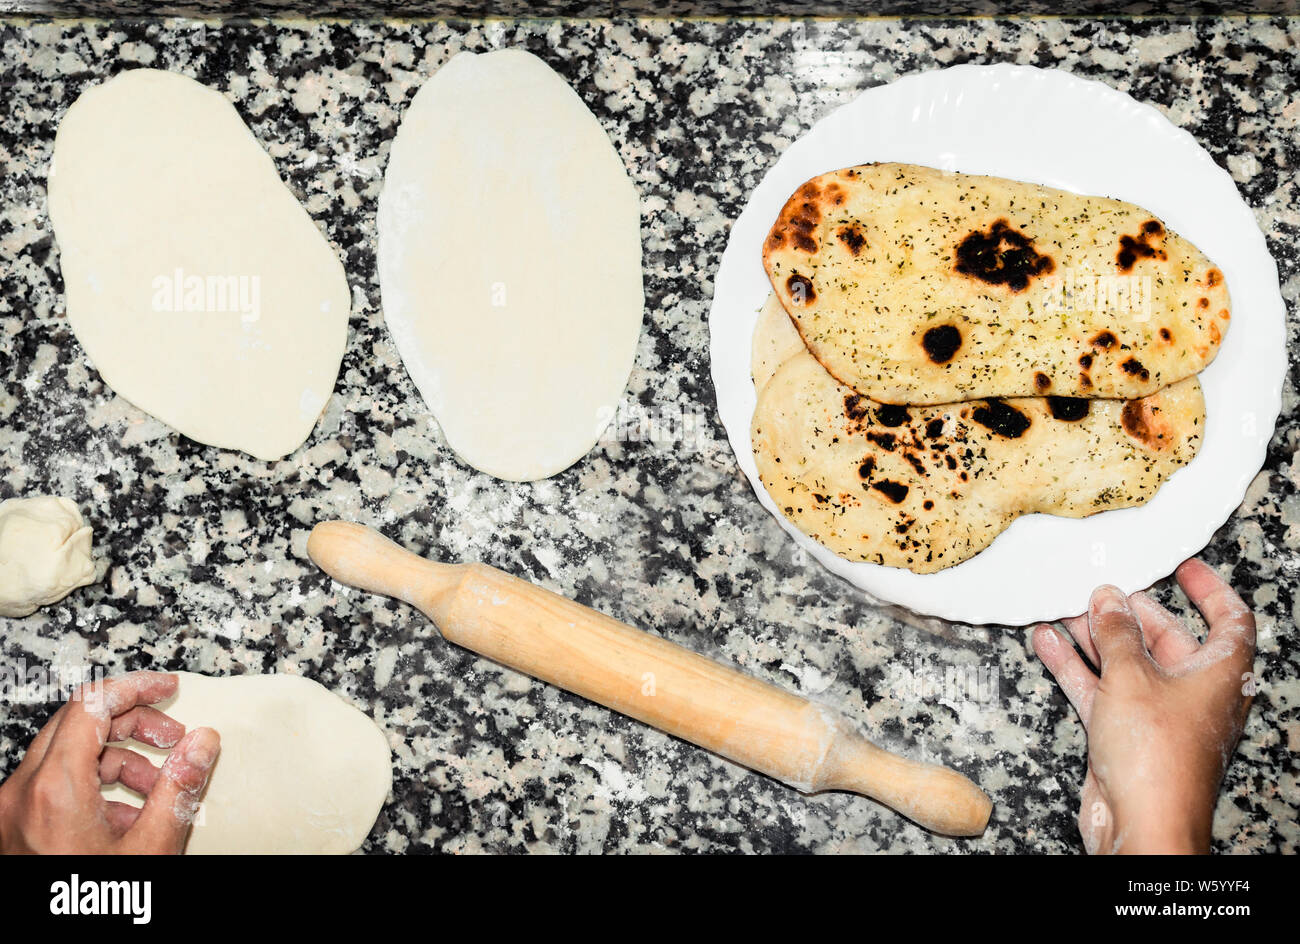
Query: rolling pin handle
pixel 940 799
pixel 361 557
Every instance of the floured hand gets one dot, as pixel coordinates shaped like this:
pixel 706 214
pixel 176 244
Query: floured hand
pixel 52 802
pixel 1163 717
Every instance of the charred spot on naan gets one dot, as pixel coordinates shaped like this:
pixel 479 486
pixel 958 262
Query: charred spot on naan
pixel 1068 409
pixel 941 343
pixel 888 414
pixel 894 491
pixel 1134 368
pixel 800 289
pixel 800 217
pixel 1002 256
pixel 1001 418
pixel 1144 421
pixel 1147 243
pixel 856 407
pixel 850 234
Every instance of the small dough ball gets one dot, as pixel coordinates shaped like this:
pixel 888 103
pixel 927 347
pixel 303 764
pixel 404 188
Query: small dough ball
pixel 44 553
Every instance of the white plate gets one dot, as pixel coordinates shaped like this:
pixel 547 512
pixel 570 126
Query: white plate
pixel 1052 128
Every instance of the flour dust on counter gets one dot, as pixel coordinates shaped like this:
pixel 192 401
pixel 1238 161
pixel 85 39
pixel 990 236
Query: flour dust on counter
pixel 510 263
pixel 198 285
pixel 300 769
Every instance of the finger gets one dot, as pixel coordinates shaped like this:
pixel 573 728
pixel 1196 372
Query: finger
pixel 148 726
pixel 1167 637
pixel 121 816
pixel 1068 668
pixel 88 717
pixel 1232 624
pixel 1223 609
pixel 170 807
pixel 1115 631
pixel 1082 635
pixel 131 770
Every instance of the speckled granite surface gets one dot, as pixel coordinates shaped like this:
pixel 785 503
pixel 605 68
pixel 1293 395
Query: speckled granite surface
pixel 591 9
pixel 204 549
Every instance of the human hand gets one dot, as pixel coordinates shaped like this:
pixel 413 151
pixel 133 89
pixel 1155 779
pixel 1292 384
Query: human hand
pixel 52 804
pixel 1164 716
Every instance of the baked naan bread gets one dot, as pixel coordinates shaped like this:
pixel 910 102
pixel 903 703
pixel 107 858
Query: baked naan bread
pixel 928 487
pixel 913 285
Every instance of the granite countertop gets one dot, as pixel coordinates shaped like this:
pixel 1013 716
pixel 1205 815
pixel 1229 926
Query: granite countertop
pixel 203 550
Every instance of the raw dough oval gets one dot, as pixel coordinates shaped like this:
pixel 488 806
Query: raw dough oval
pixel 161 197
pixel 510 263
pixel 300 769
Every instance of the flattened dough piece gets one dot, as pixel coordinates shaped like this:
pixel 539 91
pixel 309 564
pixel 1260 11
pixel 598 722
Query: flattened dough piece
pixel 510 263
pixel 912 285
pixel 926 487
pixel 162 199
pixel 300 770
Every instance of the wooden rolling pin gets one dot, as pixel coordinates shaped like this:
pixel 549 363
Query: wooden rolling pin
pixel 537 632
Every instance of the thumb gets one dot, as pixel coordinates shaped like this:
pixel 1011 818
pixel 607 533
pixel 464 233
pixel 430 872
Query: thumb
pixel 173 802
